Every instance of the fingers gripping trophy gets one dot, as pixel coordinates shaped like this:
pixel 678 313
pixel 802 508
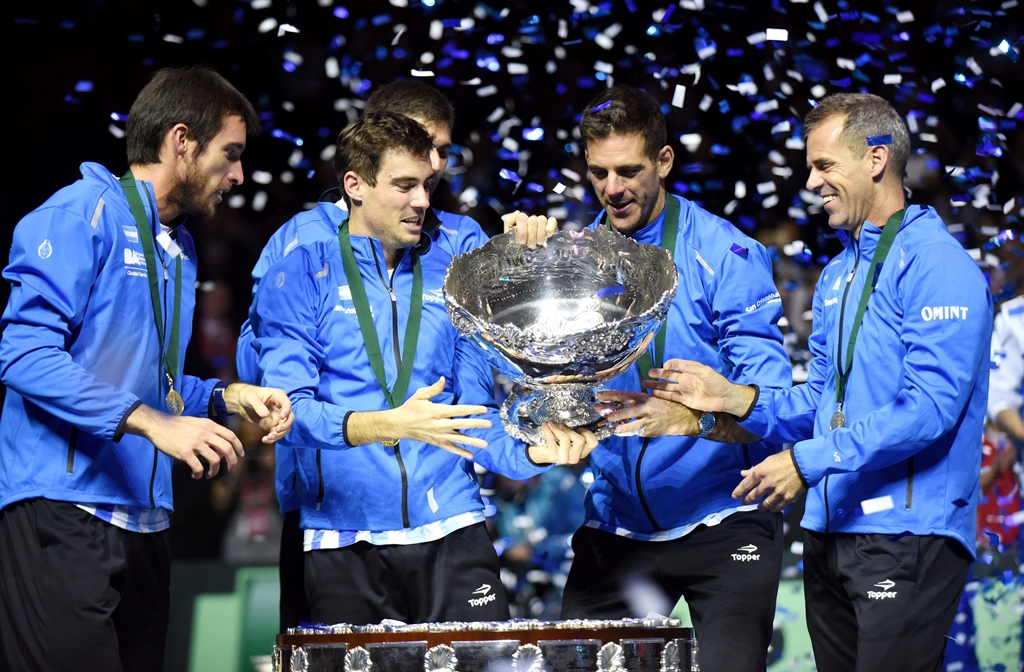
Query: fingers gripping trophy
pixel 560 319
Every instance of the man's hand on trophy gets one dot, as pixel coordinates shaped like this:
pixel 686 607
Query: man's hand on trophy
pixel 440 425
pixel 699 387
pixel 639 414
pixel 532 230
pixel 562 445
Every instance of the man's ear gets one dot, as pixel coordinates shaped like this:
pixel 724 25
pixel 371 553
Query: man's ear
pixel 178 136
pixel 666 157
pixel 353 186
pixel 880 157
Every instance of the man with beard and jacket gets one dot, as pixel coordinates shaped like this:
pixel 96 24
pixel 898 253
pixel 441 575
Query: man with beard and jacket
pixel 97 409
pixel 660 509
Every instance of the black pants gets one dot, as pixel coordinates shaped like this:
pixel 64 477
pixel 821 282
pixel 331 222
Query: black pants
pixel 878 602
pixel 77 593
pixel 728 573
pixel 455 578
pixel 291 568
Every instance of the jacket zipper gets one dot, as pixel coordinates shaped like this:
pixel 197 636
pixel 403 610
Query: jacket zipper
pixel 152 478
pixel 398 366
pixel 72 445
pixel 640 489
pixel 839 353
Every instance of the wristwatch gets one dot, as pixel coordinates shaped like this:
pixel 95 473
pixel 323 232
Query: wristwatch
pixel 219 406
pixel 707 424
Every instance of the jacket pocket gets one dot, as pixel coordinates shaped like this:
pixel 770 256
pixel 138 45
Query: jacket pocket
pixel 72 446
pixel 910 482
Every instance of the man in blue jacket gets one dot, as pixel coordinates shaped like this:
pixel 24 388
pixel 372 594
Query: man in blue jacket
pixel 660 508
pixel 888 427
pixel 386 392
pixel 102 294
pixel 452 232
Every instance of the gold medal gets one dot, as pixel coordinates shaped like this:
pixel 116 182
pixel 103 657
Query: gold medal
pixel 175 404
pixel 838 420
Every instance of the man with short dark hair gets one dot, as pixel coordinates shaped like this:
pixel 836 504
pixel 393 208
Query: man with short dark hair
pixel 659 509
pixel 386 394
pixel 452 232
pixel 888 426
pixel 97 408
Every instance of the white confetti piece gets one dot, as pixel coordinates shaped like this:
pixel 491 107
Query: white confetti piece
pixel 678 96
pixel 877 504
pixel 777 35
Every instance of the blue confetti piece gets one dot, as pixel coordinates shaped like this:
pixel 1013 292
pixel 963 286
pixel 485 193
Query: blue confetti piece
pixel 844 82
pixel 739 249
pixel 879 140
pixel 83 86
pixel 507 174
pixel 610 291
pixel 598 108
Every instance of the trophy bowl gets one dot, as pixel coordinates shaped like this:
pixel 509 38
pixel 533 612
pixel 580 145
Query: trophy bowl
pixel 560 319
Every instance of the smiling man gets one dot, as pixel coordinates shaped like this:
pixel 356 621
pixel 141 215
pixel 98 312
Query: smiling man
pixel 888 426
pixel 450 231
pixel 102 294
pixel 393 405
pixel 660 508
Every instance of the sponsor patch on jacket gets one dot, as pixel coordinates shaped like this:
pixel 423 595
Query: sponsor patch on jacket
pixel 764 300
pixel 930 313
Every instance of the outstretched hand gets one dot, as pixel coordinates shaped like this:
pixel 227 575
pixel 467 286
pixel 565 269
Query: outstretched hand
pixel 696 386
pixel 440 425
pixel 644 415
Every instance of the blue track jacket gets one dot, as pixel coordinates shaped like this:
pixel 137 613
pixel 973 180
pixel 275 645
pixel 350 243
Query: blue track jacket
pixel 80 349
pixel 308 342
pixel 455 234
pixel 907 461
pixel 724 314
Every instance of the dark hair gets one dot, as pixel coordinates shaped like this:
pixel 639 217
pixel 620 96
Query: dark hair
pixel 866 115
pixel 363 143
pixel 413 99
pixel 624 110
pixel 197 97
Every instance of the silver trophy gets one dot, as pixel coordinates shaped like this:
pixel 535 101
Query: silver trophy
pixel 560 319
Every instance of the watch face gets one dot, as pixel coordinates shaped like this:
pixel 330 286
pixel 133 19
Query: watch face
pixel 707 423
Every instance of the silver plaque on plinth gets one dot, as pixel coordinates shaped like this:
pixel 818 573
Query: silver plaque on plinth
pixel 561 319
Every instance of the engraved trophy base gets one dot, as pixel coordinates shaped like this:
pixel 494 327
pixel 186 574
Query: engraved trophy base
pixel 524 412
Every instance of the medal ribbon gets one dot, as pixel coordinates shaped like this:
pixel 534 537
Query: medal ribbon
pixel 884 243
pixel 669 233
pixel 396 395
pixel 142 223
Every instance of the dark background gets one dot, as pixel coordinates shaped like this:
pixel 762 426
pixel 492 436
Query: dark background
pixel 72 65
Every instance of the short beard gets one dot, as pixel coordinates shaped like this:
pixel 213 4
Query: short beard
pixel 188 197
